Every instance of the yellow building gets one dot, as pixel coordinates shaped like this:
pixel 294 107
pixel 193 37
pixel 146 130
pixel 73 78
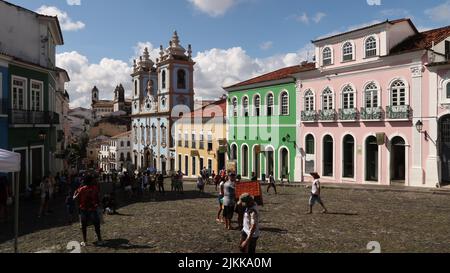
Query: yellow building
pixel 201 140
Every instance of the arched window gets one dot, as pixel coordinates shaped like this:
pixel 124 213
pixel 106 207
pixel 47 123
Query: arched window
pixel 371 47
pixel 448 90
pixel 327 99
pixel 270 105
pixel 142 135
pixel 245 107
pixel 163 80
pixel 153 135
pixel 309 101
pixel 135 135
pixel 135 88
pixel 148 135
pixel 128 144
pixel 347 52
pixel 257 102
pixel 122 157
pixel 122 144
pixel 348 97
pixel 328 156
pixel 310 150
pixel 235 107
pixel 398 93
pixel 244 161
pixel 348 157
pixel 327 56
pixel 233 155
pixel 371 96
pixel 284 104
pixel 163 136
pixel 181 82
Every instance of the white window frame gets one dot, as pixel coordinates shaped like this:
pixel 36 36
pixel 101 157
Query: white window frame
pixel 24 95
pixel 254 105
pixel 245 109
pixel 344 44
pixel 331 57
pixel 234 106
pixel 377 46
pixel 332 99
pixel 281 103
pixel 309 100
pixel 392 88
pixel 267 104
pixel 351 97
pixel 41 96
pixel 378 90
pixel 444 99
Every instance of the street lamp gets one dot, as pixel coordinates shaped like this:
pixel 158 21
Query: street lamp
pixel 419 127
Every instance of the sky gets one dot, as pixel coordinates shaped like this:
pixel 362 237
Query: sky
pixel 232 40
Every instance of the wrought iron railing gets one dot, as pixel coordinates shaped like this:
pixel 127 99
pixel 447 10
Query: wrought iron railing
pixel 327 115
pixel 398 112
pixel 33 117
pixel 372 113
pixel 348 114
pixel 309 116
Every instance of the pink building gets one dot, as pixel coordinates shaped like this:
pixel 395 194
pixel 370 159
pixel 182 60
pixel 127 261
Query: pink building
pixel 376 108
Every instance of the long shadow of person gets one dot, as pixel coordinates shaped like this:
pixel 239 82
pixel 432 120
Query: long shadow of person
pixel 122 244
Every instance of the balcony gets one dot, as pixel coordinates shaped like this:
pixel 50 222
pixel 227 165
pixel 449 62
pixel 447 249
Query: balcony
pixel 309 116
pixel 401 112
pixel 327 115
pixel 33 117
pixel 348 114
pixel 374 113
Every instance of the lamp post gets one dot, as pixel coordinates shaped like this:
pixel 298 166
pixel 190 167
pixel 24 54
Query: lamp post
pixel 419 127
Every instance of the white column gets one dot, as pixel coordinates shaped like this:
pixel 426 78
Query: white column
pixel 417 172
pixel 298 155
pixel 433 164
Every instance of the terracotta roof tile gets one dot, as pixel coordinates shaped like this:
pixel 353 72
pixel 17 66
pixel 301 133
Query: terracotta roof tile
pixel 215 109
pixel 423 40
pixel 276 75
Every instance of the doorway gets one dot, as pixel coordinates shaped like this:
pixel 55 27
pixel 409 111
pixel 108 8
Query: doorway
pixel 398 160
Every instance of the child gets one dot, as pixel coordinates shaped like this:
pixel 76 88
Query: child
pixel 315 194
pixel 201 184
pixel 109 205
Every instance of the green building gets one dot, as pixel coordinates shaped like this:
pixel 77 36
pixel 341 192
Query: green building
pixel 262 125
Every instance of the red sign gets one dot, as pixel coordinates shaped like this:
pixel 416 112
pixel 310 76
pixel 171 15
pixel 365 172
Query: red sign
pixel 252 188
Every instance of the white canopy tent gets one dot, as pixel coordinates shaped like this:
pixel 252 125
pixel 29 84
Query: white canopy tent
pixel 10 163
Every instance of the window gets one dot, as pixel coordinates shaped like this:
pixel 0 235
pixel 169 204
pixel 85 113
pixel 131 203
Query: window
pixel 36 96
pixel 348 98
pixel 235 107
pixel 181 82
pixel 153 135
pixel 447 50
pixel 179 162
pixel 194 141
pixel 148 134
pixel 128 144
pixel 233 155
pixel 180 141
pixel 143 135
pixel 163 136
pixel 135 135
pixel 210 142
pixel 135 88
pixel 122 144
pixel 327 56
pixel 270 105
pixel 349 157
pixel 371 47
pixel 245 107
pixel 193 166
pixel 186 165
pixel 327 99
pixel 309 100
pixel 448 90
pixel 163 75
pixel 186 140
pixel 257 102
pixel 202 141
pixel 371 96
pixel 347 52
pixel 398 93
pixel 122 157
pixel 284 104
pixel 18 94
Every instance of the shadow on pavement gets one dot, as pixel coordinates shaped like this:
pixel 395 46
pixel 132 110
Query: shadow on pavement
pixel 122 244
pixel 274 230
pixel 343 213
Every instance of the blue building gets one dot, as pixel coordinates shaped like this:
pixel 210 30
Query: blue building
pixel 4 76
pixel 163 91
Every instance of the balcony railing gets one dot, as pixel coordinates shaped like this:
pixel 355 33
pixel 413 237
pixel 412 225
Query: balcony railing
pixel 309 116
pixel 398 112
pixel 327 115
pixel 374 113
pixel 348 114
pixel 33 117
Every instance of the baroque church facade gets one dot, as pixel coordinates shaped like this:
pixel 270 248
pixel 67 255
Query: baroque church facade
pixel 102 108
pixel 163 92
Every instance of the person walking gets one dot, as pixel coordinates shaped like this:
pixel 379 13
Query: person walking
pixel 272 183
pixel 220 218
pixel 45 196
pixel 250 232
pixel 160 179
pixel 315 194
pixel 88 201
pixel 201 184
pixel 229 200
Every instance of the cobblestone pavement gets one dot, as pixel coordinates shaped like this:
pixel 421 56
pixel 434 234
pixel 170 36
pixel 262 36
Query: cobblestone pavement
pixel 399 221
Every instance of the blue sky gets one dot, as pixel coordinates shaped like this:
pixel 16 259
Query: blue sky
pixel 240 38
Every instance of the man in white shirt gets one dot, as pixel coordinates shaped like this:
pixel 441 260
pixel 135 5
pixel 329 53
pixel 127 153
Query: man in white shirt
pixel 250 233
pixel 315 194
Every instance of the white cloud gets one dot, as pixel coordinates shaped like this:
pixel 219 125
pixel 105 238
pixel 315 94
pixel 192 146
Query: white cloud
pixel 266 45
pixel 214 8
pixel 66 22
pixel 106 75
pixel 374 2
pixel 139 49
pixel 440 13
pixel 74 2
pixel 306 19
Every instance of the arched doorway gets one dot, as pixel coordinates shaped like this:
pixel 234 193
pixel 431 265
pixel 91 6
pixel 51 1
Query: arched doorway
pixel 328 156
pixel 371 159
pixel 244 166
pixel 270 161
pixel 284 164
pixel 348 159
pixel 147 159
pixel 444 148
pixel 256 163
pixel 398 160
